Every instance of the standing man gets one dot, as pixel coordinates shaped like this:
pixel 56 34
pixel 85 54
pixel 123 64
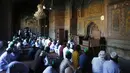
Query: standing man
pixel 66 62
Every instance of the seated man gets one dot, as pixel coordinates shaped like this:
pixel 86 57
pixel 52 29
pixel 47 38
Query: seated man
pixel 83 61
pixel 75 56
pixel 32 51
pixel 51 69
pixel 65 50
pixel 69 70
pixel 17 67
pixel 38 63
pixel 71 42
pixel 111 66
pixel 7 57
pixel 37 43
pixel 52 46
pixel 97 62
pixel 25 43
pixel 66 62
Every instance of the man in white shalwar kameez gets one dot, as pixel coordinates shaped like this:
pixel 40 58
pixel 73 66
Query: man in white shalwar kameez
pixel 111 66
pixel 97 62
pixel 5 59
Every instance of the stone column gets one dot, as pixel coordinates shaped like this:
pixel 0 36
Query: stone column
pixel 68 15
pixel 39 26
pixel 52 24
pixel 105 18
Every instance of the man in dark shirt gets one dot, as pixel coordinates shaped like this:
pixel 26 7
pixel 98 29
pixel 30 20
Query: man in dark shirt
pixel 83 61
pixel 38 63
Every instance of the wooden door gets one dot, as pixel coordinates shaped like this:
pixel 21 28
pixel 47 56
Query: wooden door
pixel 60 34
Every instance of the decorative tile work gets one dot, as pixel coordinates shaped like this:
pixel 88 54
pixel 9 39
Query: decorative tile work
pixel 119 20
pixel 94 9
pixel 91 13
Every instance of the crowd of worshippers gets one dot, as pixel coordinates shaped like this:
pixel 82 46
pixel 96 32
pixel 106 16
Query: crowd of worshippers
pixel 53 56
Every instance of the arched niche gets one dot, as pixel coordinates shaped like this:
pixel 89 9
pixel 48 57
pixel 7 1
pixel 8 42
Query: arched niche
pixel 92 31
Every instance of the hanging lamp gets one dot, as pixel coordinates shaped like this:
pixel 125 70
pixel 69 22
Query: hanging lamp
pixel 39 14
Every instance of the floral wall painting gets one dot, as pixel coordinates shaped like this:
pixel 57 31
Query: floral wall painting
pixel 116 20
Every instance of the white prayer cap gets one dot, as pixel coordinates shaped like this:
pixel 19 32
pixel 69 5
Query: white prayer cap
pixel 102 54
pixel 18 44
pixel 113 55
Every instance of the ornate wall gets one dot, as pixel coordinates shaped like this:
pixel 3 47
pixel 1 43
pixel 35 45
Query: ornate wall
pixel 115 26
pixel 90 13
pixel 119 21
pixel 30 22
pixel 56 21
pixel 119 29
pixel 59 18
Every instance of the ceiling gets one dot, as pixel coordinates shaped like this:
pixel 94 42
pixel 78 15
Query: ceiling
pixel 24 6
pixel 46 2
pixel 49 2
